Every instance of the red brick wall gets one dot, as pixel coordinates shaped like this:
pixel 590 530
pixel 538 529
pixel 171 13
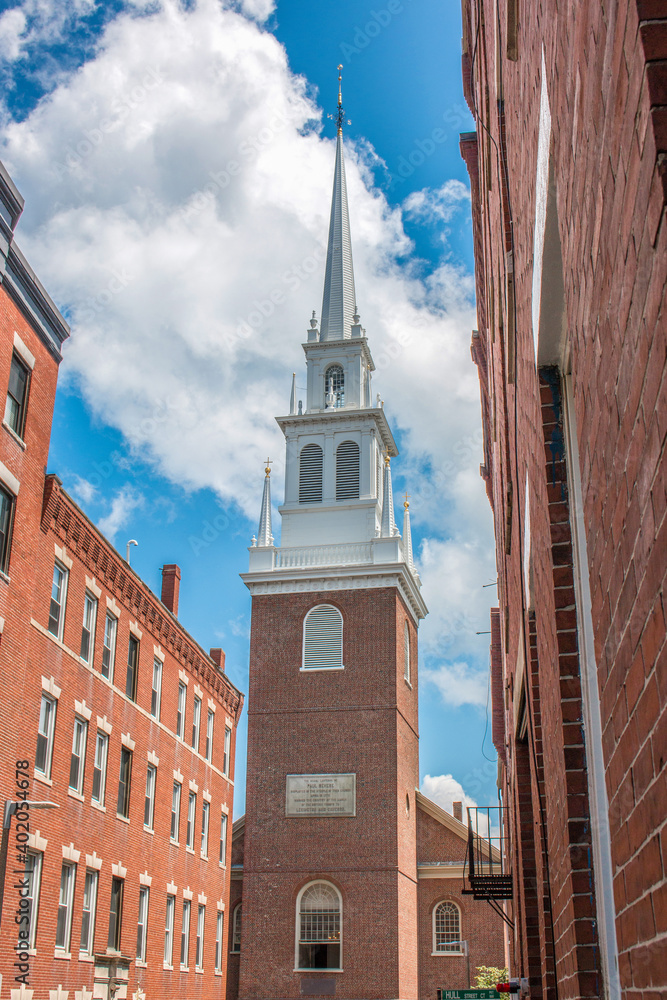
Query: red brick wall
pixel 606 75
pixel 362 720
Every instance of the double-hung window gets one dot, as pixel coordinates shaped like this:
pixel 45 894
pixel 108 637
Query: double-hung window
pixel 142 923
pixel 156 690
pixel 88 628
pixel 219 932
pixel 196 721
pixel 47 720
pixel 190 828
pixel 124 779
pixel 78 759
pixel 185 933
pixel 210 720
pixel 17 396
pixel 132 665
pixel 199 944
pixel 169 931
pixel 109 647
pixel 33 876
pixel 149 803
pixel 227 751
pixel 88 913
pixel 58 598
pixel 180 714
pixel 223 839
pixel 204 828
pixel 237 918
pixel 100 768
pixel 116 914
pixel 65 900
pixel 175 810
pixel 7 501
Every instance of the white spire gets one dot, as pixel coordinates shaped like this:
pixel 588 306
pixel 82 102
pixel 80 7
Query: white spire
pixel 292 398
pixel 264 534
pixel 388 527
pixel 339 300
pixel 407 535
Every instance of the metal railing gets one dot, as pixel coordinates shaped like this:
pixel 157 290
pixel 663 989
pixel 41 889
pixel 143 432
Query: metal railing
pixel 487 868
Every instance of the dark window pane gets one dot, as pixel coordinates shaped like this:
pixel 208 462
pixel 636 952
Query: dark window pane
pixel 115 914
pixel 132 658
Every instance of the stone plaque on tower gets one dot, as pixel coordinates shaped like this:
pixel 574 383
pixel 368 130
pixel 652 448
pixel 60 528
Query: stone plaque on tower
pixel 321 795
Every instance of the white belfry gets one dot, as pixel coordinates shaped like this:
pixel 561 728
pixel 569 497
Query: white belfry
pixel 264 535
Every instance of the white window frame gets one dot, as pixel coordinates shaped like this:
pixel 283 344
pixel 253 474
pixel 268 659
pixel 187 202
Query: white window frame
pixel 66 902
pixel 35 878
pixel 100 764
pixel 223 840
pixel 62 604
pixel 47 734
pixel 109 646
pixel 132 671
pixel 142 922
pixel 210 723
pixel 156 689
pixel 88 627
pixel 199 941
pixel 149 799
pixel 458 950
pixel 169 931
pixel 90 886
pixel 219 939
pixel 311 670
pixel 190 825
pixel 227 752
pixel 118 926
pixel 237 921
pixel 180 710
pixel 125 754
pixel 196 723
pixel 205 818
pixel 80 737
pixel 185 936
pixel 297 926
pixel 175 823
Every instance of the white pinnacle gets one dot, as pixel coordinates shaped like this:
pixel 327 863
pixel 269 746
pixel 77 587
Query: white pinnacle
pixel 407 535
pixel 264 536
pixel 388 527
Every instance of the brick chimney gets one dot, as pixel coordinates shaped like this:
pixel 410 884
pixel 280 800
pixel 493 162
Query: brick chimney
pixel 218 656
pixel 171 583
pixel 457 810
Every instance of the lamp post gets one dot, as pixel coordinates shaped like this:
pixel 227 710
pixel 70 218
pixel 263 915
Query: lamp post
pixel 11 807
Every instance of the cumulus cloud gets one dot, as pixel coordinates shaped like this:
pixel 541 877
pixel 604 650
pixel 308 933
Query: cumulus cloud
pixel 122 505
pixel 444 790
pixel 436 204
pixel 177 192
pixel 34 21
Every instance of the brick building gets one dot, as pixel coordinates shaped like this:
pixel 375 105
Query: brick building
pixel 568 179
pixel 112 714
pixel 344 890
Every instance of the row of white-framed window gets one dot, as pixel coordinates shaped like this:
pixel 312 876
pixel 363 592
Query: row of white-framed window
pixel 323 640
pixel 311 472
pixel 319 927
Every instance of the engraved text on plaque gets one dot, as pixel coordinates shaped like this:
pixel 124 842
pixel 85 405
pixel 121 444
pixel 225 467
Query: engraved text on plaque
pixel 321 795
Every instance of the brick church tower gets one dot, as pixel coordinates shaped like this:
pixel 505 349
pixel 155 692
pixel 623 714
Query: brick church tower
pixel 330 871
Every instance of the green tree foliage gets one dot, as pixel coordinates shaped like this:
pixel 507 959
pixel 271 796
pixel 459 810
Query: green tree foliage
pixel 489 975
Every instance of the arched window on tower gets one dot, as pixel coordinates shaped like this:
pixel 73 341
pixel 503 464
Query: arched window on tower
pixel 347 471
pixel 406 653
pixel 236 929
pixel 335 384
pixel 323 638
pixel 447 929
pixel 310 474
pixel 319 914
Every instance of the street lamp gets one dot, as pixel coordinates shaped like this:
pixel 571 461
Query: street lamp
pixel 11 808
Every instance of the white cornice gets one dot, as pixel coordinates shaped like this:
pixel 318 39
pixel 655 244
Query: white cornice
pixel 312 579
pixel 314 420
pixel 348 345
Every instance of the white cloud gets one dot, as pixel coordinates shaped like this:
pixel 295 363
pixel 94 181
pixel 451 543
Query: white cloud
pixel 123 504
pixel 82 490
pixel 177 199
pixel 436 204
pixel 444 789
pixel 458 683
pixel 34 21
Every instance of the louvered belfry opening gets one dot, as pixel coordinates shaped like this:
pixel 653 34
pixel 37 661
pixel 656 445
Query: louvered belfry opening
pixel 335 383
pixel 347 471
pixel 310 474
pixel 323 638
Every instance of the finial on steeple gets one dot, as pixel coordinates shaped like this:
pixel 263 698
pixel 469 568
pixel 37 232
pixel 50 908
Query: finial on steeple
pixel 339 112
pixel 265 537
pixel 388 527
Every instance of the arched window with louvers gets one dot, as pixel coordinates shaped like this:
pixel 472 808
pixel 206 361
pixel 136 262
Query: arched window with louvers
pixel 347 471
pixel 323 639
pixel 311 462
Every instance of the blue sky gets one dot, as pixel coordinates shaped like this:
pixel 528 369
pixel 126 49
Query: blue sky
pixel 123 122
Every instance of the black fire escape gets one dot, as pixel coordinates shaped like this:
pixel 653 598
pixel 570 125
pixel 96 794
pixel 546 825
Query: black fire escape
pixel 486 873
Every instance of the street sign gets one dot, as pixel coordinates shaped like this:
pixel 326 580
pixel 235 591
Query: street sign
pixel 469 994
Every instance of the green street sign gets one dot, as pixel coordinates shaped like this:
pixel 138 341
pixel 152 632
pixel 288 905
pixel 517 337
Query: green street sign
pixel 469 994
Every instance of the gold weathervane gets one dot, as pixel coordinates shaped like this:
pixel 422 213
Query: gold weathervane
pixel 339 117
pixel 406 503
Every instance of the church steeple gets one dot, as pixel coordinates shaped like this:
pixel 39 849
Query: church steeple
pixel 339 301
pixel 265 537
